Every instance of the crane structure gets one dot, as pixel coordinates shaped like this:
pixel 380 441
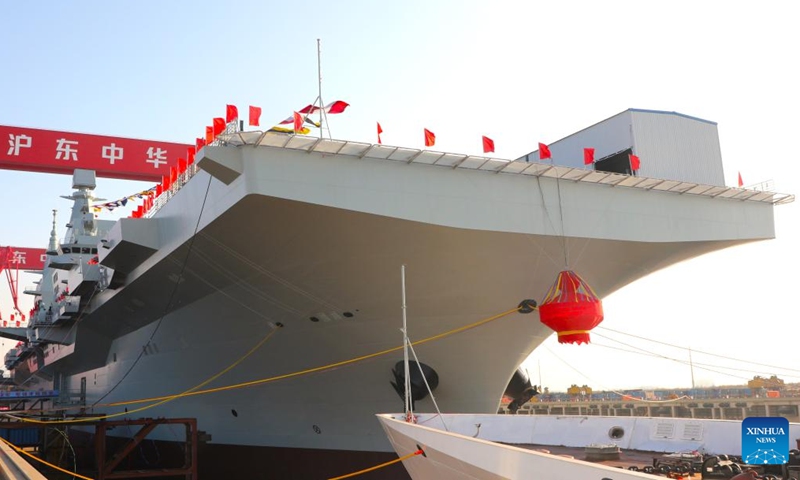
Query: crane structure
pixel 11 260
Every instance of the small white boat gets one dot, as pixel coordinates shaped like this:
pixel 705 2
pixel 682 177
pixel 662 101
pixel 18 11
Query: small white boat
pixel 492 447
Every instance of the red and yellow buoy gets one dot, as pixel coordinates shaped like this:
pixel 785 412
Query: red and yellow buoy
pixel 571 308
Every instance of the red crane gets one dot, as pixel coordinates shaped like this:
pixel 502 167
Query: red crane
pixel 11 259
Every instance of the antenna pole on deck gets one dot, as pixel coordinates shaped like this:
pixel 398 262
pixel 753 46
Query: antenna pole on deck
pixel 319 73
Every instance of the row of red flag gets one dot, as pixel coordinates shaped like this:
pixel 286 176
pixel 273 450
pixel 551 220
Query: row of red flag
pixel 430 139
pixel 298 118
pixel 219 124
pixel 544 150
pixel 588 156
pixel 232 113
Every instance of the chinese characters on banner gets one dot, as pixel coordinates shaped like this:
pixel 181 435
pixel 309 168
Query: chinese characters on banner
pixel 25 258
pixel 50 151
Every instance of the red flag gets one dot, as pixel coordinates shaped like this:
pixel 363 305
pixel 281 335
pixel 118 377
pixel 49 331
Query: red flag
pixel 336 107
pixel 165 184
pixel 231 113
pixel 209 135
pixel 199 143
pixel 380 130
pixel 741 183
pixel 181 166
pixel 430 138
pixel 588 156
pixel 298 122
pixel 173 175
pixel 219 125
pixel 544 151
pixel 634 162
pixel 190 152
pixel 488 144
pixel 255 115
pixel 159 190
pixel 332 108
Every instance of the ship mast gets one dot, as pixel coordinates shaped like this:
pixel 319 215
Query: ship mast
pixel 319 75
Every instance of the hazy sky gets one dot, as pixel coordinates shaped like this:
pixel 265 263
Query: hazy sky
pixel 519 72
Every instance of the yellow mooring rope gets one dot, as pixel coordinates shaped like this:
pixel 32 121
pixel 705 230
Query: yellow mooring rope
pixel 194 390
pixel 376 467
pixel 19 450
pixel 161 401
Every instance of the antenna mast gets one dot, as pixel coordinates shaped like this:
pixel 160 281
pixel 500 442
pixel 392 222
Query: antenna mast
pixel 322 112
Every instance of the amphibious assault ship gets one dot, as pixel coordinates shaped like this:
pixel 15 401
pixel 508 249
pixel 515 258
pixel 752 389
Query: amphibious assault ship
pixel 264 284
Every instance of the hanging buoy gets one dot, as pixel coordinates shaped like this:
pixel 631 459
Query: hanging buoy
pixel 571 308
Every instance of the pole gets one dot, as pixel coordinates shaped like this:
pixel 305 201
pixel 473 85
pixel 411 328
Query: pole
pixel 691 366
pixel 405 346
pixel 319 73
pixel 540 373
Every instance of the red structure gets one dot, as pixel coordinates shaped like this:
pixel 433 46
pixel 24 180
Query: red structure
pixel 571 308
pixel 13 259
pixel 51 151
pixel 22 258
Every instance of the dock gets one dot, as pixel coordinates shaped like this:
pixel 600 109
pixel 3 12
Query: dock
pixel 717 408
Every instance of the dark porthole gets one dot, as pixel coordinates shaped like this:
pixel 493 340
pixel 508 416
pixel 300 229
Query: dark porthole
pixel 316 429
pixel 314 319
pixel 348 314
pixel 234 412
pixel 616 433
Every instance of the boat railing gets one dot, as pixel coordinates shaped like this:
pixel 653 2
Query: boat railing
pixel 161 200
pixel 587 174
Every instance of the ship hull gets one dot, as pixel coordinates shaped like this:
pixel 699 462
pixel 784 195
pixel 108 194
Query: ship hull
pixel 280 289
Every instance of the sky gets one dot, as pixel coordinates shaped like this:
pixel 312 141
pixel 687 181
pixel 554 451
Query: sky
pixel 519 72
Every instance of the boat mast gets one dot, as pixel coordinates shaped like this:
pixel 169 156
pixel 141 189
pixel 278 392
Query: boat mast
pixel 407 385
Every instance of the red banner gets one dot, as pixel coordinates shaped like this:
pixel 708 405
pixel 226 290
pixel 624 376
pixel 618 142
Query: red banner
pixel 24 258
pixel 51 151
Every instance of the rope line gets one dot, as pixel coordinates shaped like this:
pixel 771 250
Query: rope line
pixel 621 394
pixel 194 390
pixel 696 351
pixel 326 367
pixel 561 214
pixel 161 400
pixel 171 296
pixel 376 467
pixel 45 462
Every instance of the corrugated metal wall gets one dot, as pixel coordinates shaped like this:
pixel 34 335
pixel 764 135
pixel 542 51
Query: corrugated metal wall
pixel 607 137
pixel 22 437
pixel 677 147
pixel 670 145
